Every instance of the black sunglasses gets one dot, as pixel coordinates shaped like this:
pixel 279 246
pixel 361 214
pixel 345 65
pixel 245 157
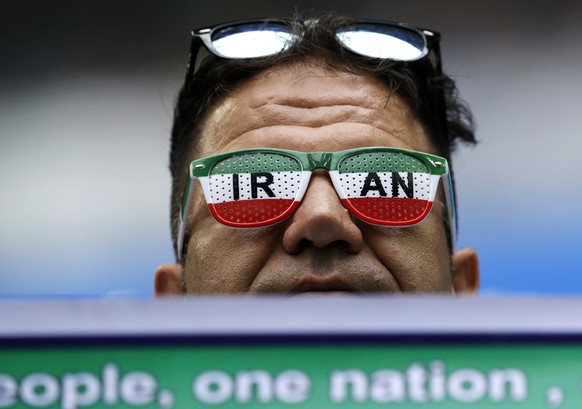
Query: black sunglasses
pixel 375 39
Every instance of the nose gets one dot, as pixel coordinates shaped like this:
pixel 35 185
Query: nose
pixel 321 220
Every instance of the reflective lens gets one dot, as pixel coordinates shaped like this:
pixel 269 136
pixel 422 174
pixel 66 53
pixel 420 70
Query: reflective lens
pixel 251 190
pixel 382 41
pixel 252 40
pixel 389 188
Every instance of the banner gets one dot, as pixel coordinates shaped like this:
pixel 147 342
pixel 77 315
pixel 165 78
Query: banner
pixel 288 374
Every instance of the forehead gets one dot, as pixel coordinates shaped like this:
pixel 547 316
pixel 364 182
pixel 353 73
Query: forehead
pixel 307 107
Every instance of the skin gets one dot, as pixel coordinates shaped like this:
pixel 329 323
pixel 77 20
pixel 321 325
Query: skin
pixel 321 248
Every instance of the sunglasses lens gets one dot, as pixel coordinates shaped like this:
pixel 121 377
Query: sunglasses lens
pixel 386 188
pixel 254 189
pixel 384 41
pixel 252 40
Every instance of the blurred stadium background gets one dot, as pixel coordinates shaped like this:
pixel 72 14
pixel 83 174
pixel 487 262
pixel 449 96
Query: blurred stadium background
pixel 86 95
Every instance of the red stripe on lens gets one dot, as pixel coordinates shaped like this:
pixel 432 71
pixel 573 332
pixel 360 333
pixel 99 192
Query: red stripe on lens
pixel 389 211
pixel 252 213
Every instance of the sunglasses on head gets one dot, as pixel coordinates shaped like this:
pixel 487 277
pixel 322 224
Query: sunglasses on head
pixel 262 38
pixel 259 187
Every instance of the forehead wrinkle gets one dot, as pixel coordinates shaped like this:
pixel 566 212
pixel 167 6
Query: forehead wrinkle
pixel 335 137
pixel 297 97
pixel 372 119
pixel 317 116
pixel 279 119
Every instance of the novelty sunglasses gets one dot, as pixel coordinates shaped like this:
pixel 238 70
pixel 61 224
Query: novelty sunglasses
pixel 262 38
pixel 259 187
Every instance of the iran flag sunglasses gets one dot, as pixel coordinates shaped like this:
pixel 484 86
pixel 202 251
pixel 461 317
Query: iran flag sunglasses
pixel 259 187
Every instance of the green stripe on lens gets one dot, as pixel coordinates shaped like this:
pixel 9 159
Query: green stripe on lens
pixel 256 162
pixel 381 162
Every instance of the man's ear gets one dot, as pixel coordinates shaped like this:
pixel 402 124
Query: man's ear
pixel 465 271
pixel 168 280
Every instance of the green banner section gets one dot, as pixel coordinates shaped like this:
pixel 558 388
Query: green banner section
pixel 292 377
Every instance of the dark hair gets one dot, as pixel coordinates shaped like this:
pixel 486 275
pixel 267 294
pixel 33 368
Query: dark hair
pixel 429 93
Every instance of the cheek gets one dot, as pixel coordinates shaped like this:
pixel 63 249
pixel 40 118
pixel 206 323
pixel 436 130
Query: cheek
pixel 417 256
pixel 225 260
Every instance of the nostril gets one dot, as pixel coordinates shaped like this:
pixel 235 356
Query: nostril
pixel 304 244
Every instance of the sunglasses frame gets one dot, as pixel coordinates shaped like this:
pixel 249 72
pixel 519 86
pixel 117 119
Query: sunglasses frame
pixel 203 36
pixel 310 161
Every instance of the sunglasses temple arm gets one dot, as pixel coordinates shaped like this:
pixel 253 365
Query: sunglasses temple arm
pixel 436 46
pixel 183 216
pixel 192 57
pixel 450 198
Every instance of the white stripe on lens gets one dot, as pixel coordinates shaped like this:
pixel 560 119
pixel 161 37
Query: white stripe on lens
pixel 285 185
pixel 353 183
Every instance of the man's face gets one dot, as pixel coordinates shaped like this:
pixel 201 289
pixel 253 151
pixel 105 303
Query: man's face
pixel 321 247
